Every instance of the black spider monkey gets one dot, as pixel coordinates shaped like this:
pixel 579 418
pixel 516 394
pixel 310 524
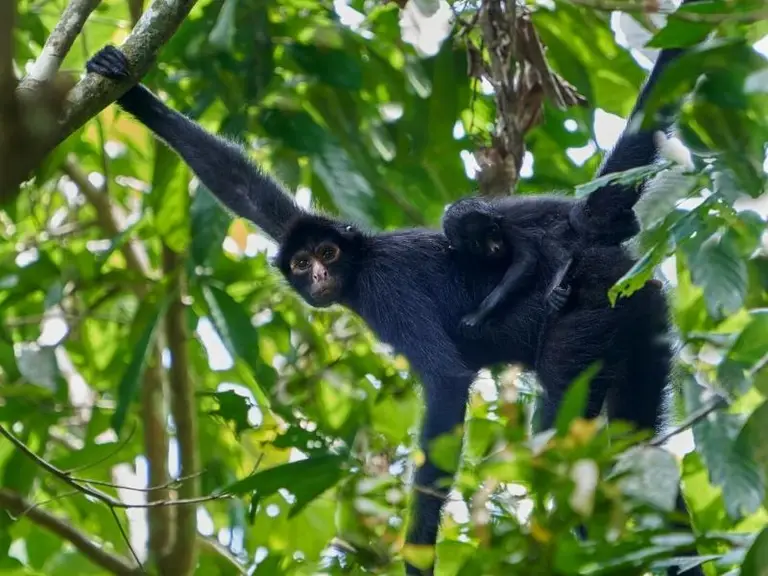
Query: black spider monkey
pixel 479 231
pixel 524 233
pixel 413 290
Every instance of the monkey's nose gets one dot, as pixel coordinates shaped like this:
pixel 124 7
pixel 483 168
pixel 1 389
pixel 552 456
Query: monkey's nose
pixel 320 275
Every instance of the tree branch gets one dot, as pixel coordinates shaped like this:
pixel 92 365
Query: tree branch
pixel 93 93
pixel 646 7
pixel 183 409
pixel 7 97
pixel 60 41
pixel 81 485
pixel 96 553
pixel 694 418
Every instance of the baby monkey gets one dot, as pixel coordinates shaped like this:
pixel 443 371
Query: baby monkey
pixel 477 229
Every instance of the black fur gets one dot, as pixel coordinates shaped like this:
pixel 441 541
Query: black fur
pixel 486 234
pixel 413 290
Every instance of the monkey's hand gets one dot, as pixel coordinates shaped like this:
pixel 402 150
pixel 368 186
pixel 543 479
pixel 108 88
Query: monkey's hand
pixel 109 62
pixel 558 298
pixel 471 325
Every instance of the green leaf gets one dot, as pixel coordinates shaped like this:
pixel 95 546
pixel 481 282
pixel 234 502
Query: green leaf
pixel 653 476
pixel 351 192
pixel 684 72
pixel 452 555
pixel 729 462
pixel 751 345
pixel 170 199
pixel 233 407
pixel 329 65
pixel 681 33
pixel 223 33
pixel 662 195
pixel 210 223
pixel 637 276
pixel 719 269
pixel 305 479
pixel 623 178
pixel 38 365
pixel 756 561
pixel 575 399
pixel 753 443
pixel 241 338
pixel 146 322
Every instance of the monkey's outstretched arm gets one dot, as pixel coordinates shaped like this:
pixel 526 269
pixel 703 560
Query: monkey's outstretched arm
pixel 221 165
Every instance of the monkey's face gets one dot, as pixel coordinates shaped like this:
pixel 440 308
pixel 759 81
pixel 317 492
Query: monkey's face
pixel 481 237
pixel 319 262
pixel 313 267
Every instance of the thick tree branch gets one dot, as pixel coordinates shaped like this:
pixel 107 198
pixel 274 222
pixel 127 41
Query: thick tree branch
pixel 60 41
pixel 7 97
pixel 93 93
pixel 18 506
pixel 183 555
pixel 645 7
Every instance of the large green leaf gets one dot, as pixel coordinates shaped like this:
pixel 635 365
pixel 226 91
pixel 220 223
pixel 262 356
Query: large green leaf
pixel 170 199
pixel 305 479
pixel 334 67
pixel 717 266
pixel 146 322
pixel 210 223
pixel 241 338
pixel 756 561
pixel 729 460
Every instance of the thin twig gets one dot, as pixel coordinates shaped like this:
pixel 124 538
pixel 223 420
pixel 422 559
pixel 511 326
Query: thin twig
pixel 694 418
pixel 125 536
pixel 81 485
pixel 92 550
pixel 175 483
pixel 117 449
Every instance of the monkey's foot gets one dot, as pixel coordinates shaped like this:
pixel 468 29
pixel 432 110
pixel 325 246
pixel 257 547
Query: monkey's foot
pixel 471 325
pixel 558 298
pixel 109 62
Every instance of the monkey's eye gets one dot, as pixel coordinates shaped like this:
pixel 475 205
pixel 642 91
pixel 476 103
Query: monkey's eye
pixel 328 253
pixel 300 263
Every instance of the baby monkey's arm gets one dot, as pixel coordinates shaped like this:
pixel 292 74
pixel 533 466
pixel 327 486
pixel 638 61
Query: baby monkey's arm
pixel 517 278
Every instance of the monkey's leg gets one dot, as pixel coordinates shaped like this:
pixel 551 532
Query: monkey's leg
pixel 446 403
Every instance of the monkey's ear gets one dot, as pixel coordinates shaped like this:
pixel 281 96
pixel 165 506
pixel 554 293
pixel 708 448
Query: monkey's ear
pixel 349 232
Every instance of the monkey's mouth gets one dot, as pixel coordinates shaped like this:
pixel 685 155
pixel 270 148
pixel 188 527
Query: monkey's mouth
pixel 324 294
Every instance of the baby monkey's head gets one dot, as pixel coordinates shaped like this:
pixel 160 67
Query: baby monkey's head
pixel 473 227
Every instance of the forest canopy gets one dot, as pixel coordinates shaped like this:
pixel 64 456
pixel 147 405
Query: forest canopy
pixel 168 405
